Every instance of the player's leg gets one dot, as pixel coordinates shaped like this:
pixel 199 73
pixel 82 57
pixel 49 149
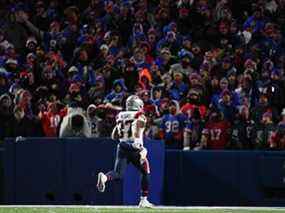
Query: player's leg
pixel 117 173
pixel 143 166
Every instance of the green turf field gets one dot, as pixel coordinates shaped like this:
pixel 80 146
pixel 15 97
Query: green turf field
pixel 135 210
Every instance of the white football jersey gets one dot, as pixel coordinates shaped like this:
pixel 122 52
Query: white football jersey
pixel 126 124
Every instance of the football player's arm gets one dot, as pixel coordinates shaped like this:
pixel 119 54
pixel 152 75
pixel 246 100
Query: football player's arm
pixel 138 127
pixel 138 144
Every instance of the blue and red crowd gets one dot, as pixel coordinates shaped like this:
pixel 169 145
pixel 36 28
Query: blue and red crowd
pixel 210 72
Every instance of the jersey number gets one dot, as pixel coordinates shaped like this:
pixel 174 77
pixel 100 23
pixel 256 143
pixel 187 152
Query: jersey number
pixel 126 129
pixel 215 134
pixel 172 126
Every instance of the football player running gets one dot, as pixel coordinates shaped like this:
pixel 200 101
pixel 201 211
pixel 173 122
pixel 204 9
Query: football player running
pixel 129 130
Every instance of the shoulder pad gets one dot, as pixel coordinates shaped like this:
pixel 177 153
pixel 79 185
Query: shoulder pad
pixel 138 114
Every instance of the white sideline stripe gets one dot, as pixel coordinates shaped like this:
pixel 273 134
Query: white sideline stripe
pixel 156 207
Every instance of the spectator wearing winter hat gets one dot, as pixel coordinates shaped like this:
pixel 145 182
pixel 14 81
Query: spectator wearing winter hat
pixel 130 75
pixel 223 85
pixel 263 131
pixel 23 99
pixel 31 64
pixel 184 64
pixel 216 134
pixel 222 10
pixel 111 72
pixel 170 41
pixel 86 73
pixel 146 48
pixel 96 94
pixel 179 88
pixel 232 78
pixel 152 40
pixel 162 14
pixel 241 136
pixel 114 44
pixel 227 66
pixel 14 29
pixel 198 55
pixel 193 101
pixel 172 127
pixel 226 106
pixel 193 131
pixel 156 73
pixel 152 128
pixel 165 60
pixel 31 44
pixel 41 18
pixel 196 82
pixel 12 66
pixel 157 94
pixel 94 9
pixel 51 120
pixel 139 58
pixel 145 96
pixel 118 93
pixel 263 106
pixel 246 91
pixel 184 8
pixel 52 35
pixel 187 43
pixel 145 79
pixel 50 78
pixel 95 122
pixel 74 96
pixel 23 125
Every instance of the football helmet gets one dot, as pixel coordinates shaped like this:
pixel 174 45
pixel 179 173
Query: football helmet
pixel 134 103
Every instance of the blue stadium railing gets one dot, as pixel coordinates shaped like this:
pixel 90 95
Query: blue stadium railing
pixel 63 171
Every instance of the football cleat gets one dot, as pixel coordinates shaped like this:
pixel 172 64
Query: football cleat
pixel 144 203
pixel 102 178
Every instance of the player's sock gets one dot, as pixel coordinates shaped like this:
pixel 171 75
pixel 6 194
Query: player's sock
pixel 145 185
pixel 112 176
pixel 109 177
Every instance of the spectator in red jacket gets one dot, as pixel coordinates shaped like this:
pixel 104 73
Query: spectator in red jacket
pixel 216 134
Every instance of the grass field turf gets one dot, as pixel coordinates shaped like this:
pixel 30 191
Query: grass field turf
pixel 98 209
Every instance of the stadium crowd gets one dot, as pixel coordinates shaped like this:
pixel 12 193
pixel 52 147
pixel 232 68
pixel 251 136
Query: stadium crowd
pixel 210 72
